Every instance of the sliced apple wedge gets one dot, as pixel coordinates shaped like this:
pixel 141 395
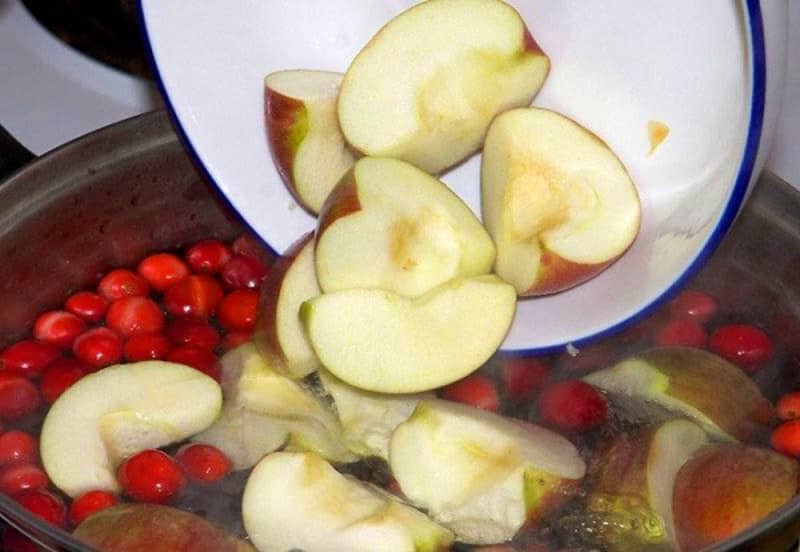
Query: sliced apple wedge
pixel 307 146
pixel 481 474
pixel 694 383
pixel 118 411
pixel 426 87
pixel 559 204
pixel 391 226
pixel 265 410
pixel 297 501
pixel 279 335
pixel 368 419
pixel 379 341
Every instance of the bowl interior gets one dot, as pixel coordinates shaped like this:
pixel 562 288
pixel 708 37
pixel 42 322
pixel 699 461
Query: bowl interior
pixel 615 68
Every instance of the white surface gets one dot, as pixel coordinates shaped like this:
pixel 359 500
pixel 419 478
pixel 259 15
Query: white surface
pixel 50 93
pixel 677 61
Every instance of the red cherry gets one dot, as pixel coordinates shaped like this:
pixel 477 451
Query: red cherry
pixel 742 344
pixel 476 390
pixel 146 347
pixel 786 438
pixel 250 246
pixel 135 315
pixel 243 272
pixel 203 463
pixel 60 376
pixel 22 477
pixel 196 333
pixel 523 377
pixel 231 340
pixel 18 447
pixel 18 397
pixel 44 505
pixel 90 503
pixel 151 476
pixel 162 270
pixel 696 305
pixel 14 541
pixel 89 306
pixel 121 283
pixel 681 332
pixel 788 407
pixel 238 310
pixel 199 359
pixel 572 405
pixel 208 256
pixel 98 348
pixel 28 358
pixel 195 297
pixel 58 328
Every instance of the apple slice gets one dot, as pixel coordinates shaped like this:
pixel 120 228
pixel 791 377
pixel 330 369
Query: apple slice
pixel 389 225
pixel 279 335
pixel 426 87
pixel 559 204
pixel 633 477
pixel 265 410
pixel 480 474
pixel 118 411
pixel 368 419
pixel 379 341
pixel 307 146
pixel 724 489
pixel 710 390
pixel 297 501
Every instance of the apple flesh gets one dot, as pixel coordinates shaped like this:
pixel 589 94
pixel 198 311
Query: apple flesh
pixel 136 527
pixel 726 488
pixel 119 411
pixel 426 87
pixel 379 341
pixel 303 130
pixel 368 419
pixel 559 204
pixel 694 383
pixel 264 411
pixel 389 225
pixel 478 473
pixel 279 335
pixel 297 501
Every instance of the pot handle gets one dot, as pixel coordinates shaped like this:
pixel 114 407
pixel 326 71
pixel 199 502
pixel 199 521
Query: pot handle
pixel 13 155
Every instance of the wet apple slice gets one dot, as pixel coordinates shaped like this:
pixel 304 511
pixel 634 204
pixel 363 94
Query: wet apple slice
pixel 307 146
pixel 480 474
pixel 279 335
pixel 389 225
pixel 426 87
pixel 264 411
pixel 379 341
pixel 120 410
pixel 694 383
pixel 297 501
pixel 559 204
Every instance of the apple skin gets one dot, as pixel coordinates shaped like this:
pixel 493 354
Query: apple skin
pixel 558 274
pixel 342 201
pixel 726 488
pixel 287 126
pixel 156 528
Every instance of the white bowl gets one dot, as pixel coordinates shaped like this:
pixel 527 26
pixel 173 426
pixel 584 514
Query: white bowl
pixel 711 71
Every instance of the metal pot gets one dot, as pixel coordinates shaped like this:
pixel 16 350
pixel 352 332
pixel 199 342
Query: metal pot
pixel 108 199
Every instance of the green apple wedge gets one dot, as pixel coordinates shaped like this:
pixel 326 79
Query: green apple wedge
pixel 425 88
pixel 265 411
pixel 368 419
pixel 691 382
pixel 480 474
pixel 380 341
pixel 389 225
pixel 303 130
pixel 119 411
pixel 297 501
pixel 278 334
